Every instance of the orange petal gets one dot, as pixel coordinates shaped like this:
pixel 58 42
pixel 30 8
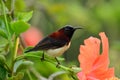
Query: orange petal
pixel 88 53
pixel 100 67
pixel 102 75
pixel 94 65
pixel 103 61
pixel 81 76
pixel 31 37
pixel 105 45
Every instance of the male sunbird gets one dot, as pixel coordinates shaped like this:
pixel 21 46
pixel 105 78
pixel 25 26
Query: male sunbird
pixel 56 43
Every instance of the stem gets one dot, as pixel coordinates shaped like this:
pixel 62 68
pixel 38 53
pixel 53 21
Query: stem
pixel 29 75
pixel 37 74
pixel 12 8
pixel 16 48
pixel 5 18
pixel 12 5
pixel 61 66
pixel 15 52
pixel 71 71
pixel 24 56
pixel 46 59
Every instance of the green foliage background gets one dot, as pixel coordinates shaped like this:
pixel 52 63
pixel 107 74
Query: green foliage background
pixel 49 15
pixel 93 15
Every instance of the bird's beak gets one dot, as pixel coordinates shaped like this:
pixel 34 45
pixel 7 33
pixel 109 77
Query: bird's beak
pixel 78 28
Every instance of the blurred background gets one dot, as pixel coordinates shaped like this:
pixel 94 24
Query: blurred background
pixel 93 15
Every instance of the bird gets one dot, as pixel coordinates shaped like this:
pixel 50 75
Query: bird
pixel 56 43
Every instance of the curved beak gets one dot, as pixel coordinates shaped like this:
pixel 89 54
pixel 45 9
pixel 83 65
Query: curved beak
pixel 78 28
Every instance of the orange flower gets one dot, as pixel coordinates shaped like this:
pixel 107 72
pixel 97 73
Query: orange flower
pixel 95 65
pixel 31 37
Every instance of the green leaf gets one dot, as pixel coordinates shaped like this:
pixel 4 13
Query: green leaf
pixel 3 34
pixel 22 65
pixel 2 73
pixel 19 26
pixel 19 76
pixel 2 28
pixel 2 59
pixel 24 16
pixel 19 5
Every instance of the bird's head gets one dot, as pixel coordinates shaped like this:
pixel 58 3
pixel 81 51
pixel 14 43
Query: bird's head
pixel 68 30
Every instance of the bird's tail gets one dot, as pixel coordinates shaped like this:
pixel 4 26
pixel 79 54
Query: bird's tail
pixel 33 49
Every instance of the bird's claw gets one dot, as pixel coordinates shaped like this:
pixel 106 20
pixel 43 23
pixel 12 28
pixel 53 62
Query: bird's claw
pixel 42 59
pixel 58 65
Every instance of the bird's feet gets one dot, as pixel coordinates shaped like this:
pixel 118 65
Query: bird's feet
pixel 58 65
pixel 43 58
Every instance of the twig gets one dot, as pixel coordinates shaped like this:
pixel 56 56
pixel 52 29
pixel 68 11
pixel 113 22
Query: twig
pixel 37 74
pixel 29 75
pixel 12 8
pixel 15 52
pixel 52 76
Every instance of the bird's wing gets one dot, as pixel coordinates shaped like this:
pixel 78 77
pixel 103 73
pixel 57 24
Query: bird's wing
pixel 49 43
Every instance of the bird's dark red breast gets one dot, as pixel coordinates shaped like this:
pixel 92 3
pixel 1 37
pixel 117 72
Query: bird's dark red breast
pixel 59 35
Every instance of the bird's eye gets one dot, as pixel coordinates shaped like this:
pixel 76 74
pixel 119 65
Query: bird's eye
pixel 67 29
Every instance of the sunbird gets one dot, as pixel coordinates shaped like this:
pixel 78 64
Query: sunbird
pixel 56 43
